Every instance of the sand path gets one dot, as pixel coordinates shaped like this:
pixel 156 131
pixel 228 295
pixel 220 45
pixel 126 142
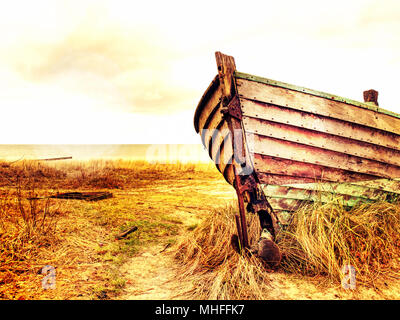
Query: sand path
pixel 153 273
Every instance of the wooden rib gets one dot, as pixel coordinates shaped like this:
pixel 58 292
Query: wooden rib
pixel 321 140
pixel 299 152
pixel 319 123
pixel 317 105
pixel 298 171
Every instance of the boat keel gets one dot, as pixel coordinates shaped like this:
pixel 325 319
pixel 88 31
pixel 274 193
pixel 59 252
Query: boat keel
pixel 247 188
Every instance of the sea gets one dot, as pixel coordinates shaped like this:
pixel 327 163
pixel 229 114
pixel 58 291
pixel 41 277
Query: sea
pixel 168 153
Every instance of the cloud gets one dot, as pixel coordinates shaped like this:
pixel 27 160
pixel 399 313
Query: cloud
pixel 130 71
pixel 386 12
pixel 105 61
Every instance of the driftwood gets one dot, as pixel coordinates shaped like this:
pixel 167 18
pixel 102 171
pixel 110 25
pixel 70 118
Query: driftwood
pixel 88 196
pixel 54 159
pixel 125 233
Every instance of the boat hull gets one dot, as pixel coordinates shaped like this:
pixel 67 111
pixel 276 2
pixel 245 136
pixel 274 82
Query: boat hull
pixel 301 145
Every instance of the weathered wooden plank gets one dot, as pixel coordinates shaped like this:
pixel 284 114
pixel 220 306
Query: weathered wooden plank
pixel 344 188
pixel 55 159
pixel 317 105
pixel 298 152
pixel 307 171
pixel 331 96
pixel 321 140
pixel 222 152
pixel 310 195
pixel 209 105
pixel 382 184
pixel 292 205
pixel 282 204
pixel 213 121
pixel 212 93
pixel 216 122
pixel 319 123
pixel 220 136
pixel 285 200
pixel 280 179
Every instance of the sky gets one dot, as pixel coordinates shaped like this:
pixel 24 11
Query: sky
pixel 132 72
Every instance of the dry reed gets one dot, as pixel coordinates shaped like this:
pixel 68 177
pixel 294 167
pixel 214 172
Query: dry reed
pixel 34 233
pixel 319 241
pixel 98 174
pixel 322 238
pixel 219 272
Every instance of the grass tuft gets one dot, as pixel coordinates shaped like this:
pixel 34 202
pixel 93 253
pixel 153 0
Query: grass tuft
pixel 219 272
pixel 322 238
pixel 319 241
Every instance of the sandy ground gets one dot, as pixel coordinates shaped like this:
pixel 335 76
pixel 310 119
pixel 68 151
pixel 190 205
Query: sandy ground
pixel 152 274
pixel 179 202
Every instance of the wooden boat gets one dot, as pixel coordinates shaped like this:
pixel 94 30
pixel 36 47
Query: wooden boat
pixel 281 145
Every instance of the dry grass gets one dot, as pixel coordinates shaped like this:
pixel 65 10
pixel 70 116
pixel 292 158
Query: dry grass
pixel 98 174
pixel 323 238
pixel 27 229
pixel 77 237
pixel 320 240
pixel 219 271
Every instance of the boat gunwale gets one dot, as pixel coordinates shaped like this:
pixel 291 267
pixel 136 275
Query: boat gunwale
pixel 275 83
